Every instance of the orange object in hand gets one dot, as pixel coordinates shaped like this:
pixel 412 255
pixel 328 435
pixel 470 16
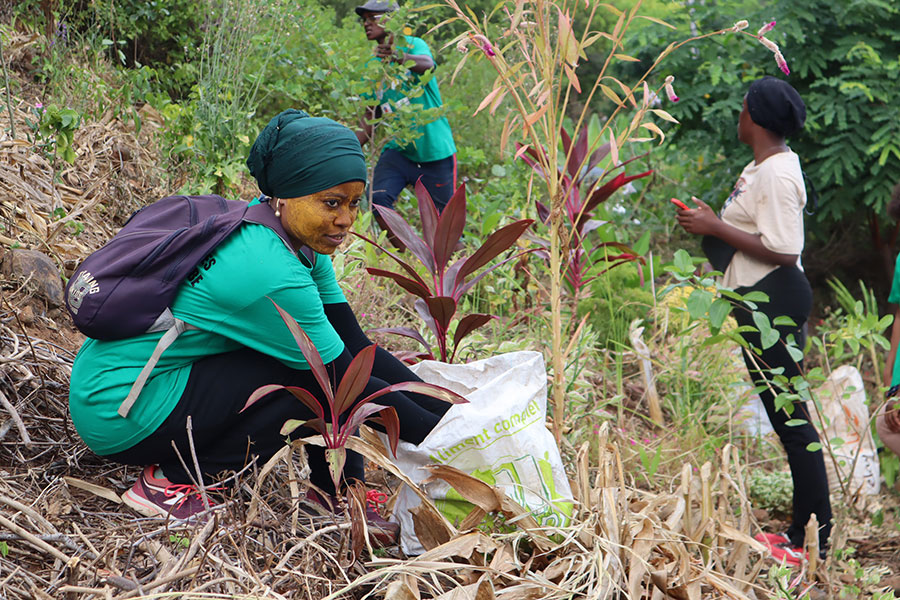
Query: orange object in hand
pixel 679 203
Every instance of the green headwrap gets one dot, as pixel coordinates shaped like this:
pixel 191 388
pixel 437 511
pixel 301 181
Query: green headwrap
pixel 297 155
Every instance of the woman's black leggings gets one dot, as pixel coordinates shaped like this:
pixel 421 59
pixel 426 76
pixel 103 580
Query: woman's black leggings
pixel 225 438
pixel 789 295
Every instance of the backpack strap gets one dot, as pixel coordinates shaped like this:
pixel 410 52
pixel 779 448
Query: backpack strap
pixel 260 214
pixel 178 327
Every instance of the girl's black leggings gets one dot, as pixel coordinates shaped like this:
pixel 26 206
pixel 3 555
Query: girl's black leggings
pixel 225 438
pixel 790 295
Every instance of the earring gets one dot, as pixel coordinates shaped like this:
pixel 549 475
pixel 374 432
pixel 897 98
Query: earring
pixel 277 209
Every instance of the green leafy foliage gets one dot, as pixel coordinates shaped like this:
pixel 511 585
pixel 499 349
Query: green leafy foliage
pixel 55 131
pixel 160 34
pixel 771 490
pixel 208 136
pixel 334 428
pixel 855 329
pixel 847 72
pixel 614 301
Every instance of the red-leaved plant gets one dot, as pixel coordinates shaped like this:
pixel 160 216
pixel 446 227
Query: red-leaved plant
pixel 335 430
pixel 580 202
pixel 438 299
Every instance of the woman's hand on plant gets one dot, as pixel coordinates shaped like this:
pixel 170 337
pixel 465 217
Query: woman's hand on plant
pixel 701 220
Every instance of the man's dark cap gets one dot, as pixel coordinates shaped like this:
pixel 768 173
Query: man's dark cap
pixel 774 104
pixel 376 6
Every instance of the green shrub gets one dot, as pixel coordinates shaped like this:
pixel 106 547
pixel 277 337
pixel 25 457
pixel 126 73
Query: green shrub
pixel 771 490
pixel 161 34
pixel 615 300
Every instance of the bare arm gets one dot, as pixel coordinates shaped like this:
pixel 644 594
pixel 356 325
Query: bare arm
pixel 892 411
pixel 422 62
pixel 704 221
pixel 892 353
pixel 364 133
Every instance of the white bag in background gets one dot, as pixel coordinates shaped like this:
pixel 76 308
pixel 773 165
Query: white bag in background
pixel 843 400
pixel 500 437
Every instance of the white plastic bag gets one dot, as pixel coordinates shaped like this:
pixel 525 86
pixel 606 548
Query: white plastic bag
pixel 500 437
pixel 843 400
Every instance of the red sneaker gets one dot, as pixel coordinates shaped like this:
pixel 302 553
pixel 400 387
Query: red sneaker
pixel 154 496
pixel 782 548
pixel 770 539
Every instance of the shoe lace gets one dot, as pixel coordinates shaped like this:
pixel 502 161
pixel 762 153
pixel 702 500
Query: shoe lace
pixel 186 491
pixel 374 498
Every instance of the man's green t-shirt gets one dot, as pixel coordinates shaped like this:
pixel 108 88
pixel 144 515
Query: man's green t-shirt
pixel 228 300
pixel 436 141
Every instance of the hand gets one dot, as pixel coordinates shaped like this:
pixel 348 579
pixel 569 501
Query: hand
pixel 385 50
pixel 892 415
pixel 700 221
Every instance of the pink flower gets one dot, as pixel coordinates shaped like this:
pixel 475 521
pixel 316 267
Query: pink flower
pixel 782 64
pixel 765 29
pixel 670 91
pixel 39 106
pixel 768 44
pixel 478 39
pixel 633 443
pixel 740 25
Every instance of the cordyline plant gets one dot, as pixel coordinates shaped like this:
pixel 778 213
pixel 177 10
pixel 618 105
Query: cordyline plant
pixel 346 411
pixel 537 58
pixel 438 300
pixel 582 195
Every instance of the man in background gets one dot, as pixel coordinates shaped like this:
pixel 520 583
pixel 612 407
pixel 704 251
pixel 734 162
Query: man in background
pixel 431 157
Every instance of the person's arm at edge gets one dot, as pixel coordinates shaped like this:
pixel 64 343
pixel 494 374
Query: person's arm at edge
pixel 891 416
pixel 892 353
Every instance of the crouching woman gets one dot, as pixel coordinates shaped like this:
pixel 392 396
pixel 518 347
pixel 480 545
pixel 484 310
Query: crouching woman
pixel 312 173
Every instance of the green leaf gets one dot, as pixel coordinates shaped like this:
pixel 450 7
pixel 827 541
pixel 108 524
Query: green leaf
pixel 698 303
pixel 767 335
pixel 718 312
pixel 683 261
pixel 796 422
pixel 814 446
pixel 783 320
pixel 756 296
pixel 642 246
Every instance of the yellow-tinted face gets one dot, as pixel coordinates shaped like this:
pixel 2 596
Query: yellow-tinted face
pixel 322 220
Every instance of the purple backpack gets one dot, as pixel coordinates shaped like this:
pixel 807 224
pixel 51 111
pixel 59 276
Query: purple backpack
pixel 125 288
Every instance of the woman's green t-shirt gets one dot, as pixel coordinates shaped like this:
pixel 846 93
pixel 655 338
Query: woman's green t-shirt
pixel 227 298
